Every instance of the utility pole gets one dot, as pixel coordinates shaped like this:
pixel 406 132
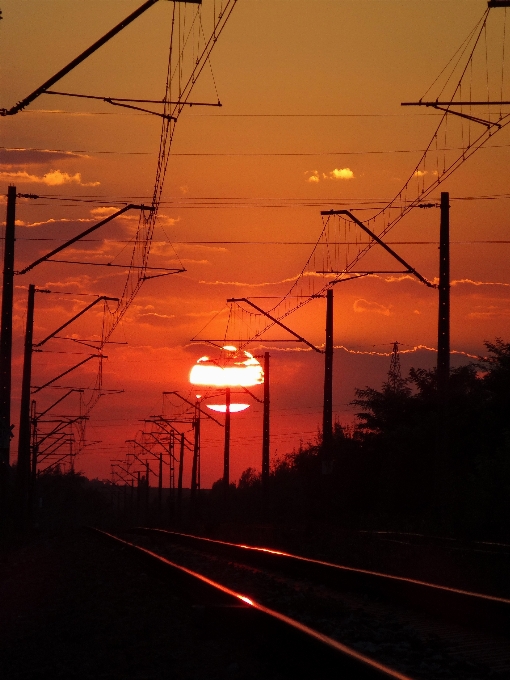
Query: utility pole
pixel 6 344
pixel 265 425
pixel 196 453
pixel 171 460
pixel 160 483
pixel 132 501
pixel 327 416
pixel 138 493
pixel 147 483
pixel 25 464
pixel 24 418
pixel 179 479
pixel 443 327
pixel 35 444
pixel 226 451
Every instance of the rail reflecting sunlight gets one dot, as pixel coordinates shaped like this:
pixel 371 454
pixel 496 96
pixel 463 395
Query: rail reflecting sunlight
pixel 341 567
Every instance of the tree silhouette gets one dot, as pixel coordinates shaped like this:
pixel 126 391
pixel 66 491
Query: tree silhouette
pixel 411 461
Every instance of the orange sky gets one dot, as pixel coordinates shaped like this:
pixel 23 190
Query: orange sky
pixel 321 78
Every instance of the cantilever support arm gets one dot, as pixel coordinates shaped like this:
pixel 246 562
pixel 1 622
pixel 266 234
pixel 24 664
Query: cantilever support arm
pixel 143 462
pixel 156 455
pixel 411 270
pixel 120 477
pixel 50 382
pixel 245 389
pixel 43 413
pixel 440 106
pixel 207 415
pixel 80 236
pixel 278 323
pixel 161 444
pixel 76 316
pixel 81 57
pixel 175 430
pixel 56 430
pixel 123 470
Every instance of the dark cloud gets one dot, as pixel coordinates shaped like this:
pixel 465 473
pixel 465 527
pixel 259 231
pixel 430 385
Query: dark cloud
pixel 12 157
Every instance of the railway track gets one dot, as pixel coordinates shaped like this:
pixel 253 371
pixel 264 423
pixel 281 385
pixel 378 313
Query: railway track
pixel 413 539
pixel 299 650
pixel 417 629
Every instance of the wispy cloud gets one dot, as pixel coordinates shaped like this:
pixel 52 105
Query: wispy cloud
pixel 80 284
pixel 456 282
pixel 314 176
pixel 165 221
pixel 184 260
pixel 489 312
pixel 242 284
pixel 484 316
pixel 180 247
pixel 21 223
pixel 104 211
pixel 101 212
pixel 396 279
pixel 479 283
pixel 422 173
pixel 198 315
pixel 16 157
pixel 362 305
pixel 416 348
pixel 262 284
pixel 155 319
pixel 52 178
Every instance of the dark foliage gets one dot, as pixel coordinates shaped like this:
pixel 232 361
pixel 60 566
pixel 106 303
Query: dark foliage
pixel 416 460
pixel 59 501
pixel 70 500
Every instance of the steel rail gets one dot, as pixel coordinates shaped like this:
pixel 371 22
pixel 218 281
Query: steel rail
pixel 483 611
pixel 340 656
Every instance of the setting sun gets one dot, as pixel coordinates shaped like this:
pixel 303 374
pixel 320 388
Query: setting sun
pixel 234 369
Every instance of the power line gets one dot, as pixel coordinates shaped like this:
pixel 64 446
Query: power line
pixel 181 201
pixel 239 115
pixel 260 243
pixel 242 154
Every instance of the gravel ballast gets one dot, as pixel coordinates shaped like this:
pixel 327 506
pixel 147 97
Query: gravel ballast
pixel 74 607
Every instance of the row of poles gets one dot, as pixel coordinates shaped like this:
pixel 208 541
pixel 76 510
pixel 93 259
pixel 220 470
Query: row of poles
pixel 443 341
pixel 8 273
pixel 27 445
pixel 7 300
pixel 166 438
pixel 196 445
pixel 27 439
pixel 127 476
pixel 26 463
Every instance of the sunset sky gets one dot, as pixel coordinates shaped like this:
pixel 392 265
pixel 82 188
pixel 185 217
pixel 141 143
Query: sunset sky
pixel 310 117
